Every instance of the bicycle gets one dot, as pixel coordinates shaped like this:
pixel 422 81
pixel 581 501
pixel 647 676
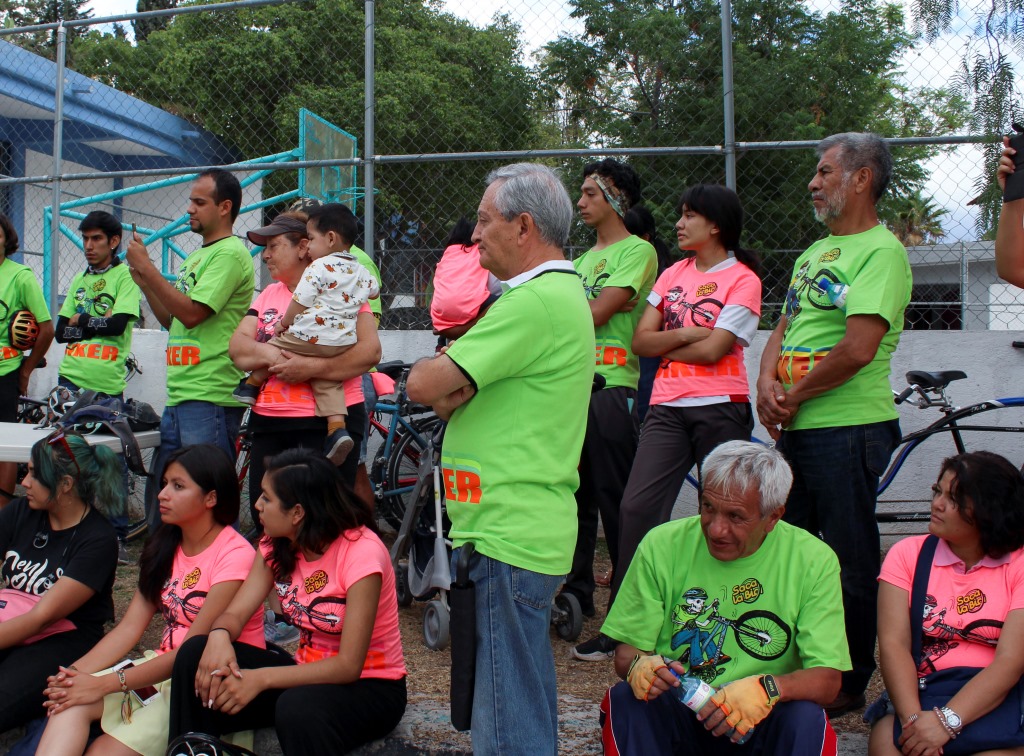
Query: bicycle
pixel 328 618
pixel 44 413
pixel 930 390
pixel 395 467
pixel 760 633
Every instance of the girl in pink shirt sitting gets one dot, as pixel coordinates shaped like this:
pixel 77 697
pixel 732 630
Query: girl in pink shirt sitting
pixel 189 571
pixel 346 685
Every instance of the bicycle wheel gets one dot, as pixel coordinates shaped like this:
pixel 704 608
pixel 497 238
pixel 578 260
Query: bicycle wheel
pixel 706 312
pixel 327 614
pixel 762 634
pixel 136 499
pixel 403 467
pixel 983 631
pixel 192 604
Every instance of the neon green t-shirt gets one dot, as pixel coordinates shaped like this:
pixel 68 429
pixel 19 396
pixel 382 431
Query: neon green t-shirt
pixel 874 266
pixel 19 290
pixel 220 276
pixel 367 262
pixel 510 454
pixel 628 264
pixel 98 363
pixel 778 610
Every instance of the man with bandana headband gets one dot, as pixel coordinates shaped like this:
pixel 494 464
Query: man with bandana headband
pixel 618 272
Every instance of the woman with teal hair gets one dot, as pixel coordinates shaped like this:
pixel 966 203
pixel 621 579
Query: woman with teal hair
pixel 57 575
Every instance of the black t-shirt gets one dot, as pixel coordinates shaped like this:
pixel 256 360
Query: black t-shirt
pixel 86 552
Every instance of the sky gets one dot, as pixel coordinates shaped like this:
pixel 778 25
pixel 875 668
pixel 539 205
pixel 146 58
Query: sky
pixel 953 176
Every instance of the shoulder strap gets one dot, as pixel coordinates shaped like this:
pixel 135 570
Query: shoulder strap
pixel 920 587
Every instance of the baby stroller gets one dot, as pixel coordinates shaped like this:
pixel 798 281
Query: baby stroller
pixel 421 554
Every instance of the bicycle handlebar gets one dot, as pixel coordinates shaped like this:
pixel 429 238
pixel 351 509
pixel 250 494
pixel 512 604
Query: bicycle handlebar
pixel 904 395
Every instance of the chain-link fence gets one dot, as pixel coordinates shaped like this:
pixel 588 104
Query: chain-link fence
pixel 113 113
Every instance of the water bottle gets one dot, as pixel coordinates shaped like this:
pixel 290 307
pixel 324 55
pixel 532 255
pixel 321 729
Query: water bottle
pixel 835 293
pixel 693 693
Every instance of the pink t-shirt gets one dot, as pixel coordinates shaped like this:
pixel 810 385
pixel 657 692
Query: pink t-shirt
pixel 228 558
pixel 460 287
pixel 277 398
pixel 687 297
pixel 974 602
pixel 314 601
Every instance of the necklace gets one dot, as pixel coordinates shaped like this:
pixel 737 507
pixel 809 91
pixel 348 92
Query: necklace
pixel 42 538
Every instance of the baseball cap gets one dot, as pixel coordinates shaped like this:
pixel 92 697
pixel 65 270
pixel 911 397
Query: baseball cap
pixel 280 225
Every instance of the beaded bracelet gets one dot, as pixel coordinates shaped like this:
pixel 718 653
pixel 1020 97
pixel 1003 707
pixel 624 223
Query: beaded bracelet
pixel 126 700
pixel 944 723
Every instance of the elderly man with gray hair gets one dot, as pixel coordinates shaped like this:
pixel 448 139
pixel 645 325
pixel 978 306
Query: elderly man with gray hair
pixel 516 388
pixel 736 598
pixel 824 392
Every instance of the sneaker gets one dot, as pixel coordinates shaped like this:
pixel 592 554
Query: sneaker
pixel 279 633
pixel 338 445
pixel 598 648
pixel 246 393
pixel 122 553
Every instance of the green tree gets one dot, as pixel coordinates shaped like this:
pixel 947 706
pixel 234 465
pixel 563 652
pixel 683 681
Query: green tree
pixel 649 73
pixel 442 85
pixel 44 43
pixel 914 219
pixel 146 26
pixel 986 79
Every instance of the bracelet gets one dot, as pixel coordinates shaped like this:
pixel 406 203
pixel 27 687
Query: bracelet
pixel 120 678
pixel 944 723
pixel 220 628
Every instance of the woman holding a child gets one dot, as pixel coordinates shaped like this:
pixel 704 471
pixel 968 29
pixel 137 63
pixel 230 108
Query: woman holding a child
pixel 284 416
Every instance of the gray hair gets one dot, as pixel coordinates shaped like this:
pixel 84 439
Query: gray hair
pixel 862 149
pixel 738 466
pixel 537 191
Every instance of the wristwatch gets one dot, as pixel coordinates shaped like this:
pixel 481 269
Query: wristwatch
pixel 952 719
pixel 772 689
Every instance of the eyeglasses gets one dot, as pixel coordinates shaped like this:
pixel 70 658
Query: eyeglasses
pixel 60 439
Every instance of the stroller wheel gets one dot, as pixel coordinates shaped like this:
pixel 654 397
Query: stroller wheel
pixel 402 584
pixel 435 625
pixel 567 616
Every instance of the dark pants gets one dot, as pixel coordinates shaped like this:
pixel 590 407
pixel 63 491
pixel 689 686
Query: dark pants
pixel 835 485
pixel 608 450
pixel 267 442
pixel 664 726
pixel 674 439
pixel 310 719
pixel 24 669
pixel 648 369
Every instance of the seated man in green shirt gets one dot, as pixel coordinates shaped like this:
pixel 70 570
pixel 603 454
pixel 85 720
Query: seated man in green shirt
pixel 739 599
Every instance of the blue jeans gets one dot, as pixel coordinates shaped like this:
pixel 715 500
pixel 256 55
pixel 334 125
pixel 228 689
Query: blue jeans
pixel 515 708
pixel 835 486
pixel 186 424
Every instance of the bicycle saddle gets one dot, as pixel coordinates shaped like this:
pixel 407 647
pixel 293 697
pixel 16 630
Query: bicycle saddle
pixel 937 380
pixel 393 369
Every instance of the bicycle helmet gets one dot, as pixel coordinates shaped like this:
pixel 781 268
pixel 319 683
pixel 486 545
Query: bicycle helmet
pixel 23 330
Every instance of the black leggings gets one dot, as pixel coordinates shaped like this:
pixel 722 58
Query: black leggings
pixel 310 719
pixel 24 669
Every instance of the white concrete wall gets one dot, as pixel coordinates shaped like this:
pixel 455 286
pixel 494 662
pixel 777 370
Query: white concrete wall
pixel 994 368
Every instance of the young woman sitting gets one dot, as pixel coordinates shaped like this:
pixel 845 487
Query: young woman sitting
pixel 189 571
pixel 59 556
pixel 346 685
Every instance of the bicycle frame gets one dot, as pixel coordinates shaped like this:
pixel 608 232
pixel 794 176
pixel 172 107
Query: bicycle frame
pixel 947 424
pixel 398 424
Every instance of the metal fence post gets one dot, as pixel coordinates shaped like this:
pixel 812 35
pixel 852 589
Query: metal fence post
pixel 964 285
pixel 728 109
pixel 53 281
pixel 369 116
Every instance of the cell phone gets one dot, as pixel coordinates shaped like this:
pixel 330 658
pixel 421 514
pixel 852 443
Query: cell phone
pixel 134 230
pixel 143 695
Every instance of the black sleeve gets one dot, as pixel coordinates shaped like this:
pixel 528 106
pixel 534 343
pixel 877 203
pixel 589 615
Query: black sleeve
pixel 112 326
pixel 64 333
pixel 92 557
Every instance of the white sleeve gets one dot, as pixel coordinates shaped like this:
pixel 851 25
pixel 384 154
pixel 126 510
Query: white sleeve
pixel 740 321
